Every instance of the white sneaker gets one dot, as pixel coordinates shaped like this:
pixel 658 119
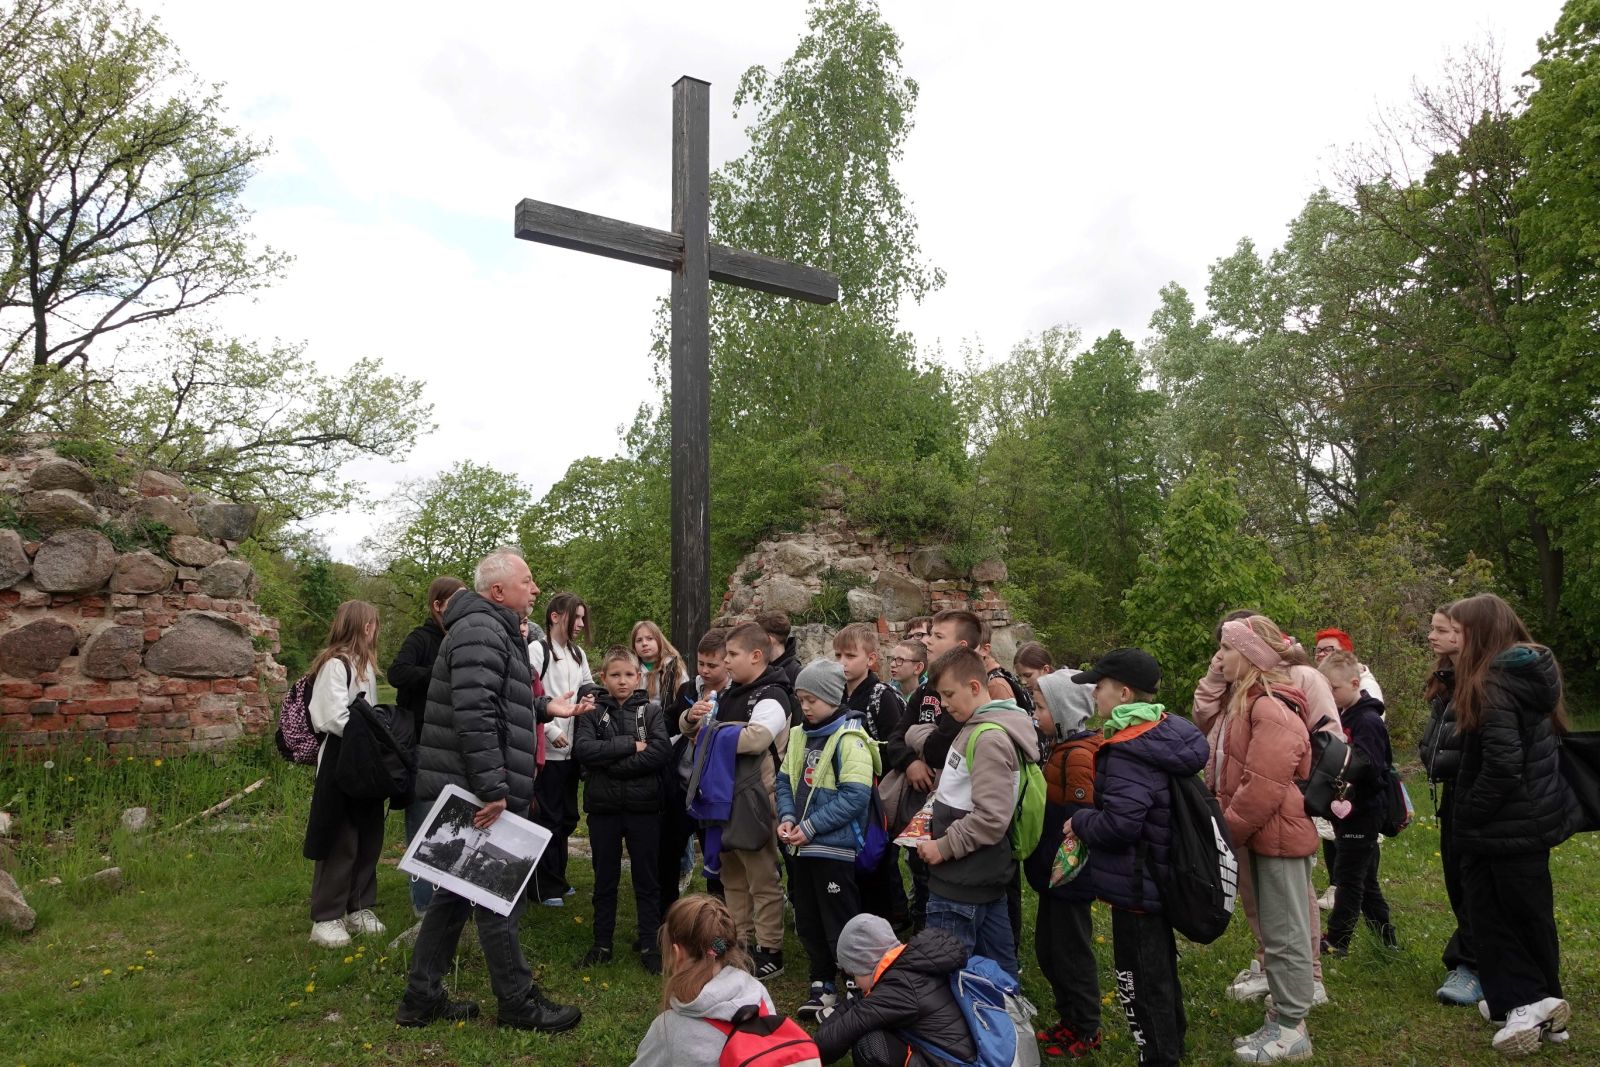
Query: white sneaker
pixel 363 922
pixel 1325 901
pixel 1249 984
pixel 1266 1032
pixel 330 933
pixel 1285 1044
pixel 1525 1026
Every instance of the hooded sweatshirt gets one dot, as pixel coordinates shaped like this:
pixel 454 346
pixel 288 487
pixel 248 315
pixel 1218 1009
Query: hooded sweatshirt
pixel 1069 773
pixel 973 805
pixel 680 1036
pixel 1144 749
pixel 1069 703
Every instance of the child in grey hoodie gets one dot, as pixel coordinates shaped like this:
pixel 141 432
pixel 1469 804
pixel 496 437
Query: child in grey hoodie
pixel 707 977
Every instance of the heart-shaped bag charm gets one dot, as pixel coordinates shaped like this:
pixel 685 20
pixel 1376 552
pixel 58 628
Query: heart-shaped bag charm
pixel 1340 809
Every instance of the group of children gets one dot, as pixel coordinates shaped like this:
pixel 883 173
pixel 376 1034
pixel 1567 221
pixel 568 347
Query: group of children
pixel 785 775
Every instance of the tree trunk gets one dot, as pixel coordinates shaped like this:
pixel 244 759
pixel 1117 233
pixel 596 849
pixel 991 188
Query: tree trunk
pixel 1552 568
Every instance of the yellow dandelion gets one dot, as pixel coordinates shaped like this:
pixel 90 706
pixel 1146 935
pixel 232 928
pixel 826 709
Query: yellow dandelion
pixel 138 966
pixel 130 968
pixel 383 959
pixel 311 987
pixel 578 919
pixel 150 952
pixel 585 979
pixel 76 982
pixel 105 972
pixel 1099 939
pixel 294 1003
pixel 70 778
pixel 349 959
pixel 88 759
pixel 367 1045
pixel 605 985
pixel 1106 999
pixel 130 759
pixel 461 1024
pixel 189 856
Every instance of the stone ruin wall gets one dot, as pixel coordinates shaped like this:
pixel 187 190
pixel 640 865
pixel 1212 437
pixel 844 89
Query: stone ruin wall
pixel 154 651
pixel 897 582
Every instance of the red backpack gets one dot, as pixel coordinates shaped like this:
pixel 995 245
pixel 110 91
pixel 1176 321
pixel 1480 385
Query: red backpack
pixel 757 1038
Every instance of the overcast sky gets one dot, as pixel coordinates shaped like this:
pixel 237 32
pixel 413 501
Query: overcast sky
pixel 1068 160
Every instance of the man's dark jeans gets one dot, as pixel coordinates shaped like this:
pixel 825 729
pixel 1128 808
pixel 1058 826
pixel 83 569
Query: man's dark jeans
pixel 435 951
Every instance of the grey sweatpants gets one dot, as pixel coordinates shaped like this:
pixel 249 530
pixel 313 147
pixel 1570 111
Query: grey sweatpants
pixel 1281 886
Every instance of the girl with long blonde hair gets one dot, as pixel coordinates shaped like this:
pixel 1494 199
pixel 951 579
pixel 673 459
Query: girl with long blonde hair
pixel 663 664
pixel 344 835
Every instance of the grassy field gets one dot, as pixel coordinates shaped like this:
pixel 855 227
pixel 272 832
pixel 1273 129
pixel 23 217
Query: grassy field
pixel 201 956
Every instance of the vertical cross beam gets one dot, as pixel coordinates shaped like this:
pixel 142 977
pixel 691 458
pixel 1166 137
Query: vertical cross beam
pixel 691 365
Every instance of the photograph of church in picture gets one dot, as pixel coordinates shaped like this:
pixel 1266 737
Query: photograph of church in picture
pixel 489 867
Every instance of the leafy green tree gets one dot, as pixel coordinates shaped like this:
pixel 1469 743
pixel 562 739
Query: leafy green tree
pixel 795 389
pixel 1070 465
pixel 1382 588
pixel 1551 391
pixel 1204 564
pixel 442 526
pixel 120 180
pixel 245 422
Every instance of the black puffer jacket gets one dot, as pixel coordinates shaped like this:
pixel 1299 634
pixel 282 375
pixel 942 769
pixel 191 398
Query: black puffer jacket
pixel 1510 796
pixel 412 670
pixel 1440 747
pixel 478 729
pixel 913 993
pixel 621 779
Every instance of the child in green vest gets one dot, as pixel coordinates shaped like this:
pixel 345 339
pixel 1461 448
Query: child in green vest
pixel 824 791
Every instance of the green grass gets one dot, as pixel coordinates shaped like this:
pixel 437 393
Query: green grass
pixel 217 922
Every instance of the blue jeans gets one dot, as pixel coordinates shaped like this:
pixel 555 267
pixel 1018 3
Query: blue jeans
pixel 984 928
pixel 421 891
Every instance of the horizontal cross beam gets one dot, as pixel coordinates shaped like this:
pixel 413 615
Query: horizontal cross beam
pixel 578 230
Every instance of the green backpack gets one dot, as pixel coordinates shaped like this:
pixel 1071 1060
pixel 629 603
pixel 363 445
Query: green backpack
pixel 1027 822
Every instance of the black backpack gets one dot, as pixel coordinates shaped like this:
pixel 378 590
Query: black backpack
pixel 1202 881
pixel 1580 766
pixel 378 756
pixel 1333 767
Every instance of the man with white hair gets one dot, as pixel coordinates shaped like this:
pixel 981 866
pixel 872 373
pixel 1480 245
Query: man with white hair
pixel 479 732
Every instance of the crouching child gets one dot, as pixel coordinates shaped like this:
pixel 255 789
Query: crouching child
pixel 905 994
pixel 1128 834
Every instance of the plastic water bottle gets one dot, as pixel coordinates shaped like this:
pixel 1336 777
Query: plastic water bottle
pixel 711 716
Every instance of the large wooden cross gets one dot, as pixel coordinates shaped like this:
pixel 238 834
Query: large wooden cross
pixel 687 251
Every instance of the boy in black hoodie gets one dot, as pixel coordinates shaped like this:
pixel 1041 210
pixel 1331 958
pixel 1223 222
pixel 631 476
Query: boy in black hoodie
pixel 1357 891
pixel 623 745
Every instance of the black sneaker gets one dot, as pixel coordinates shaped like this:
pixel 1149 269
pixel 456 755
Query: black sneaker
pixel 768 965
pixel 822 998
pixel 597 955
pixel 409 1014
pixel 651 961
pixel 540 1013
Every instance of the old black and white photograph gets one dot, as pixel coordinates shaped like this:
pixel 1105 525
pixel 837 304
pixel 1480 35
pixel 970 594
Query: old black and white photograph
pixel 489 867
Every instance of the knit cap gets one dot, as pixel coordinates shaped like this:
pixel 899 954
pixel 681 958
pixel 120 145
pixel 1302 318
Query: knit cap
pixel 823 679
pixel 863 943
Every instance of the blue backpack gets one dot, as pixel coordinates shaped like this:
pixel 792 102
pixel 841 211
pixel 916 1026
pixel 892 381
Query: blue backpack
pixel 981 988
